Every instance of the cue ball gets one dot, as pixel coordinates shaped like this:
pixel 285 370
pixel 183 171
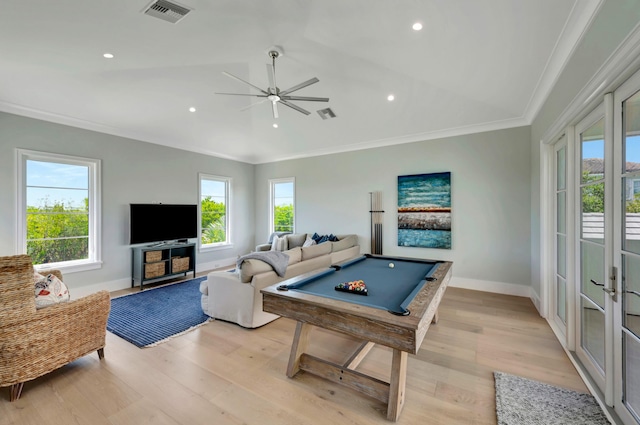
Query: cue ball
pixel 391 265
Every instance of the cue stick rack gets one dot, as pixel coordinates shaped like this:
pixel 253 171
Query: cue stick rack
pixel 376 212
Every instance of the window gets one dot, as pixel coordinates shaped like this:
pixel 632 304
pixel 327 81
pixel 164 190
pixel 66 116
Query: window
pixel 59 210
pixel 282 205
pixel 214 211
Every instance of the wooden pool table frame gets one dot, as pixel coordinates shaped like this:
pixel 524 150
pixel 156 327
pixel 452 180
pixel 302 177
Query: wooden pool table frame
pixel 403 334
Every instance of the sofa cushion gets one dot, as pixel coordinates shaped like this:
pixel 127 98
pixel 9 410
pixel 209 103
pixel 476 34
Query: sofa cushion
pixel 296 239
pixel 345 243
pixel 252 267
pixel 315 251
pixel 295 255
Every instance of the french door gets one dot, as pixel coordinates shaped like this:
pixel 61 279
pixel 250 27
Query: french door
pixel 607 248
pixel 626 326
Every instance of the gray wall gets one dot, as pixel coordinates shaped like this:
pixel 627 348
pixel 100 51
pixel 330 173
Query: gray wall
pixel 490 198
pixel 614 21
pixel 132 172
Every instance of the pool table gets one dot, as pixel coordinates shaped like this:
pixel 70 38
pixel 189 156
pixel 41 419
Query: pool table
pixel 402 300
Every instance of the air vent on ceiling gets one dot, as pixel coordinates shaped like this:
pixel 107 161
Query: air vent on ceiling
pixel 166 10
pixel 326 113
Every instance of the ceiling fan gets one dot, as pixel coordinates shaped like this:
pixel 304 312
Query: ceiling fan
pixel 273 93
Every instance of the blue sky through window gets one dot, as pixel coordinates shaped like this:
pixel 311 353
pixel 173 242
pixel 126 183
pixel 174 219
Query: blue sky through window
pixel 49 183
pixel 283 193
pixel 213 188
pixel 595 149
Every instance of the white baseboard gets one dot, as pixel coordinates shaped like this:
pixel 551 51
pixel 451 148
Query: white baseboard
pixel 491 286
pixel 118 284
pixel 535 298
pixel 114 285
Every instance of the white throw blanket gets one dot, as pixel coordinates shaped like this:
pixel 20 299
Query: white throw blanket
pixel 276 259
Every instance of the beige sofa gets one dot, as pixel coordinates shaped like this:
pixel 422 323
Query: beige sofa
pixel 235 296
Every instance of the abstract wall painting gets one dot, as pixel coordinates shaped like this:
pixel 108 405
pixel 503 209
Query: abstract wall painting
pixel 424 210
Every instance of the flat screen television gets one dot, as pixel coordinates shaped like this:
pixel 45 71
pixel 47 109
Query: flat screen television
pixel 162 222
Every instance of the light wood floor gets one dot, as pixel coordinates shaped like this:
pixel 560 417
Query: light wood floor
pixel 224 374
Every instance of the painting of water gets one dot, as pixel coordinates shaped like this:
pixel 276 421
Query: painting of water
pixel 424 210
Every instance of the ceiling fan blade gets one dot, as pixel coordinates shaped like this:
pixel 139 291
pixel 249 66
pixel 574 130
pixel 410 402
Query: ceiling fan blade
pixel 242 94
pixel 296 107
pixel 243 81
pixel 253 104
pixel 311 99
pixel 271 74
pixel 299 86
pixel 274 106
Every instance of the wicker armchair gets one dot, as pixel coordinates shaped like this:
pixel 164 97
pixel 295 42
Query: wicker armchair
pixel 35 342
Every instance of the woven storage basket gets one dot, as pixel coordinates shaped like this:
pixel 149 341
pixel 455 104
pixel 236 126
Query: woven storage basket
pixel 152 256
pixel 179 264
pixel 154 270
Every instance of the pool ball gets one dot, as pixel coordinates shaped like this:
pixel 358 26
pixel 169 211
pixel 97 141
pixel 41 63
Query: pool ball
pixel 391 265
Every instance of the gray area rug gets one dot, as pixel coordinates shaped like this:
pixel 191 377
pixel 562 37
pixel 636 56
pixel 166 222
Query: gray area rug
pixel 521 401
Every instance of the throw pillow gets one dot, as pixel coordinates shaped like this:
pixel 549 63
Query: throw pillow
pixel 279 243
pixel 308 242
pixel 50 290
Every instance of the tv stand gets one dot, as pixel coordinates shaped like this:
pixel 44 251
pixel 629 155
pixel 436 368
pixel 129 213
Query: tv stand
pixel 154 263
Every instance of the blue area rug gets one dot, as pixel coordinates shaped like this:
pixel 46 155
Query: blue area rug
pixel 147 318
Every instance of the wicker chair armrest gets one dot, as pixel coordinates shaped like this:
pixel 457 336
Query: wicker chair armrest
pixel 55 272
pixel 52 337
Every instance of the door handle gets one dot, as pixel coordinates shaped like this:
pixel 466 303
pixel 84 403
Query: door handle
pixel 611 291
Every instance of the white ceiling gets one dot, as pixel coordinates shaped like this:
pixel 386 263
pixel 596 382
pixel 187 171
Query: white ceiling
pixel 475 66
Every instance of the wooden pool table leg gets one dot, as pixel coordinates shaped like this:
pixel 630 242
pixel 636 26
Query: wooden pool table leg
pixel 397 384
pixel 298 347
pixel 435 317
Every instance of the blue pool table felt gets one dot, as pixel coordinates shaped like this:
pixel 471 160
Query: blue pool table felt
pixel 388 288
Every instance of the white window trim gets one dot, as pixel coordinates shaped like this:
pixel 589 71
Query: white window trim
pixel 272 183
pixel 95 218
pixel 228 184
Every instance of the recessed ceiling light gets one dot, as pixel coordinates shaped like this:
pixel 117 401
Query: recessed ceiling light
pixel 192 109
pixel 390 97
pixel 275 125
pixel 108 55
pixel 417 26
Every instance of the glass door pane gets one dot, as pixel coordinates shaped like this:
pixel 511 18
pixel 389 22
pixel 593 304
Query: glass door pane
pixel 593 331
pixel 631 395
pixel 592 261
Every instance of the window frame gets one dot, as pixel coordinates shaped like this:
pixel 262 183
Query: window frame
pixel 272 184
pixel 95 209
pixel 228 185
